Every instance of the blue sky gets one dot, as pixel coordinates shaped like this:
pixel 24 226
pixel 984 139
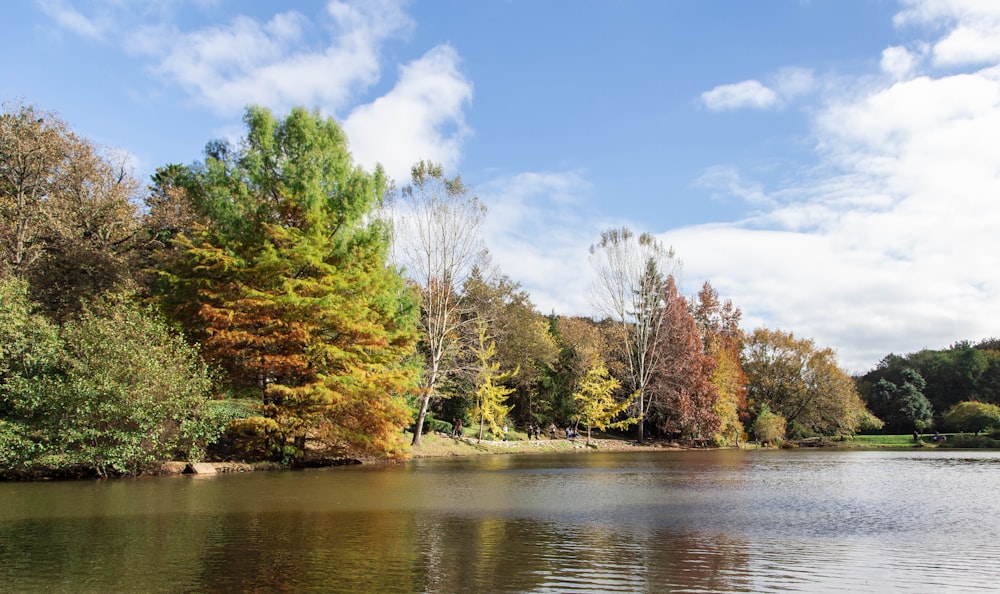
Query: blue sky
pixel 830 166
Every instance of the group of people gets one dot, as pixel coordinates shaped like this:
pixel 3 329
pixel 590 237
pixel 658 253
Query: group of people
pixel 534 431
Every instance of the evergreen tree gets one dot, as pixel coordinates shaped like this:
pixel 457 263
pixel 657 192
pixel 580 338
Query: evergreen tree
pixel 284 279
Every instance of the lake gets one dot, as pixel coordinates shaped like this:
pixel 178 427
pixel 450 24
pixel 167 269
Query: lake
pixel 697 521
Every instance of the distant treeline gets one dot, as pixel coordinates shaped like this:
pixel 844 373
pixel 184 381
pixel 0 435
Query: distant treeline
pixel 923 386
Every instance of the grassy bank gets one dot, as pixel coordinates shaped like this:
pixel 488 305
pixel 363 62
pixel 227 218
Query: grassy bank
pixel 436 444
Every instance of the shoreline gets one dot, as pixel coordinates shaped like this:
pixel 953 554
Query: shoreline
pixel 439 445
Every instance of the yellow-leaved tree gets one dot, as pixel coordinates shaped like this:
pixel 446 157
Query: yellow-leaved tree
pixel 491 394
pixel 596 405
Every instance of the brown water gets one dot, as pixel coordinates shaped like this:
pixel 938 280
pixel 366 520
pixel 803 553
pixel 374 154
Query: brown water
pixel 726 521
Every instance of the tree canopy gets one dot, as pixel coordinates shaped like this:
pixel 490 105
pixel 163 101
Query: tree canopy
pixel 287 285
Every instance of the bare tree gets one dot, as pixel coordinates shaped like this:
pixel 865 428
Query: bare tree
pixel 631 272
pixel 438 241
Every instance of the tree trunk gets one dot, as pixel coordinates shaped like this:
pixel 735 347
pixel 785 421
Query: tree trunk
pixel 418 429
pixel 642 433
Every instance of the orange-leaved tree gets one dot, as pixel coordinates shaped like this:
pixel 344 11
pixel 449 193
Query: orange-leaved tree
pixel 284 279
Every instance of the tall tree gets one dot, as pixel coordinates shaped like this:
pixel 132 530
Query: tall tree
pixel 681 394
pixel 438 241
pixel 521 333
pixel 581 342
pixel 903 406
pixel 630 274
pixel 67 218
pixel 723 339
pixel 34 148
pixel 288 287
pixel 490 407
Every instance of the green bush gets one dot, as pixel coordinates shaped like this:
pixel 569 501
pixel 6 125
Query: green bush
pixel 972 417
pixel 966 440
pixel 112 391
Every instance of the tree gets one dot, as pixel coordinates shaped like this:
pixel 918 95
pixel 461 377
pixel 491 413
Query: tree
pixel 111 391
pixel 288 287
pixel 769 427
pixel 723 339
pixel 580 342
pixel 439 243
pixel 67 218
pixel 630 272
pixel 34 146
pixel 521 333
pixel 490 407
pixel 903 407
pixel 596 403
pixel 801 383
pixel 682 397
pixel 972 417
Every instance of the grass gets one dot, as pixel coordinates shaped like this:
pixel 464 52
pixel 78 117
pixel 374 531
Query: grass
pixel 892 441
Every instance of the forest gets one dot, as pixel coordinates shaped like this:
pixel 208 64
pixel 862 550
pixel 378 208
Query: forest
pixel 274 298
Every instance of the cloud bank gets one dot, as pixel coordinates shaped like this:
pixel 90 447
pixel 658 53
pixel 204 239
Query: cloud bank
pixel 892 247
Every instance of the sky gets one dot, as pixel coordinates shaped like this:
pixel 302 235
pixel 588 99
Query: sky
pixel 831 166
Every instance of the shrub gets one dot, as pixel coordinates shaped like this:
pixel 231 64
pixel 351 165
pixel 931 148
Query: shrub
pixel 972 417
pixel 769 427
pixel 112 391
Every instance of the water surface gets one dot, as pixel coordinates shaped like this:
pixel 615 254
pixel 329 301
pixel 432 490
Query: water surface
pixel 705 521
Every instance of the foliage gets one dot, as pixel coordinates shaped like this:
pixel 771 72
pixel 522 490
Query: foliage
pixel 991 441
pixel 288 287
pixel 630 275
pixel 490 408
pixel 801 383
pixel 111 391
pixel 596 403
pixel 521 334
pixel 869 423
pixel 67 220
pixel 769 427
pixel 682 397
pixel 972 417
pixel 438 243
pixel 959 373
pixel 718 323
pixel 580 342
pixel 904 406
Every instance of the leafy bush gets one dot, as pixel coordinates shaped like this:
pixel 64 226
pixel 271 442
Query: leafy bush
pixel 112 391
pixel 440 426
pixel 971 417
pixel 971 441
pixel 769 427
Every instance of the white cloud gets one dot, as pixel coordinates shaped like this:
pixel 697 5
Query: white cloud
pixel 539 231
pixel 896 248
pixel 749 93
pixel 793 82
pixel 327 60
pixel 898 62
pixel 277 63
pixel 787 84
pixel 69 18
pixel 726 181
pixel 420 118
pixel 973 29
